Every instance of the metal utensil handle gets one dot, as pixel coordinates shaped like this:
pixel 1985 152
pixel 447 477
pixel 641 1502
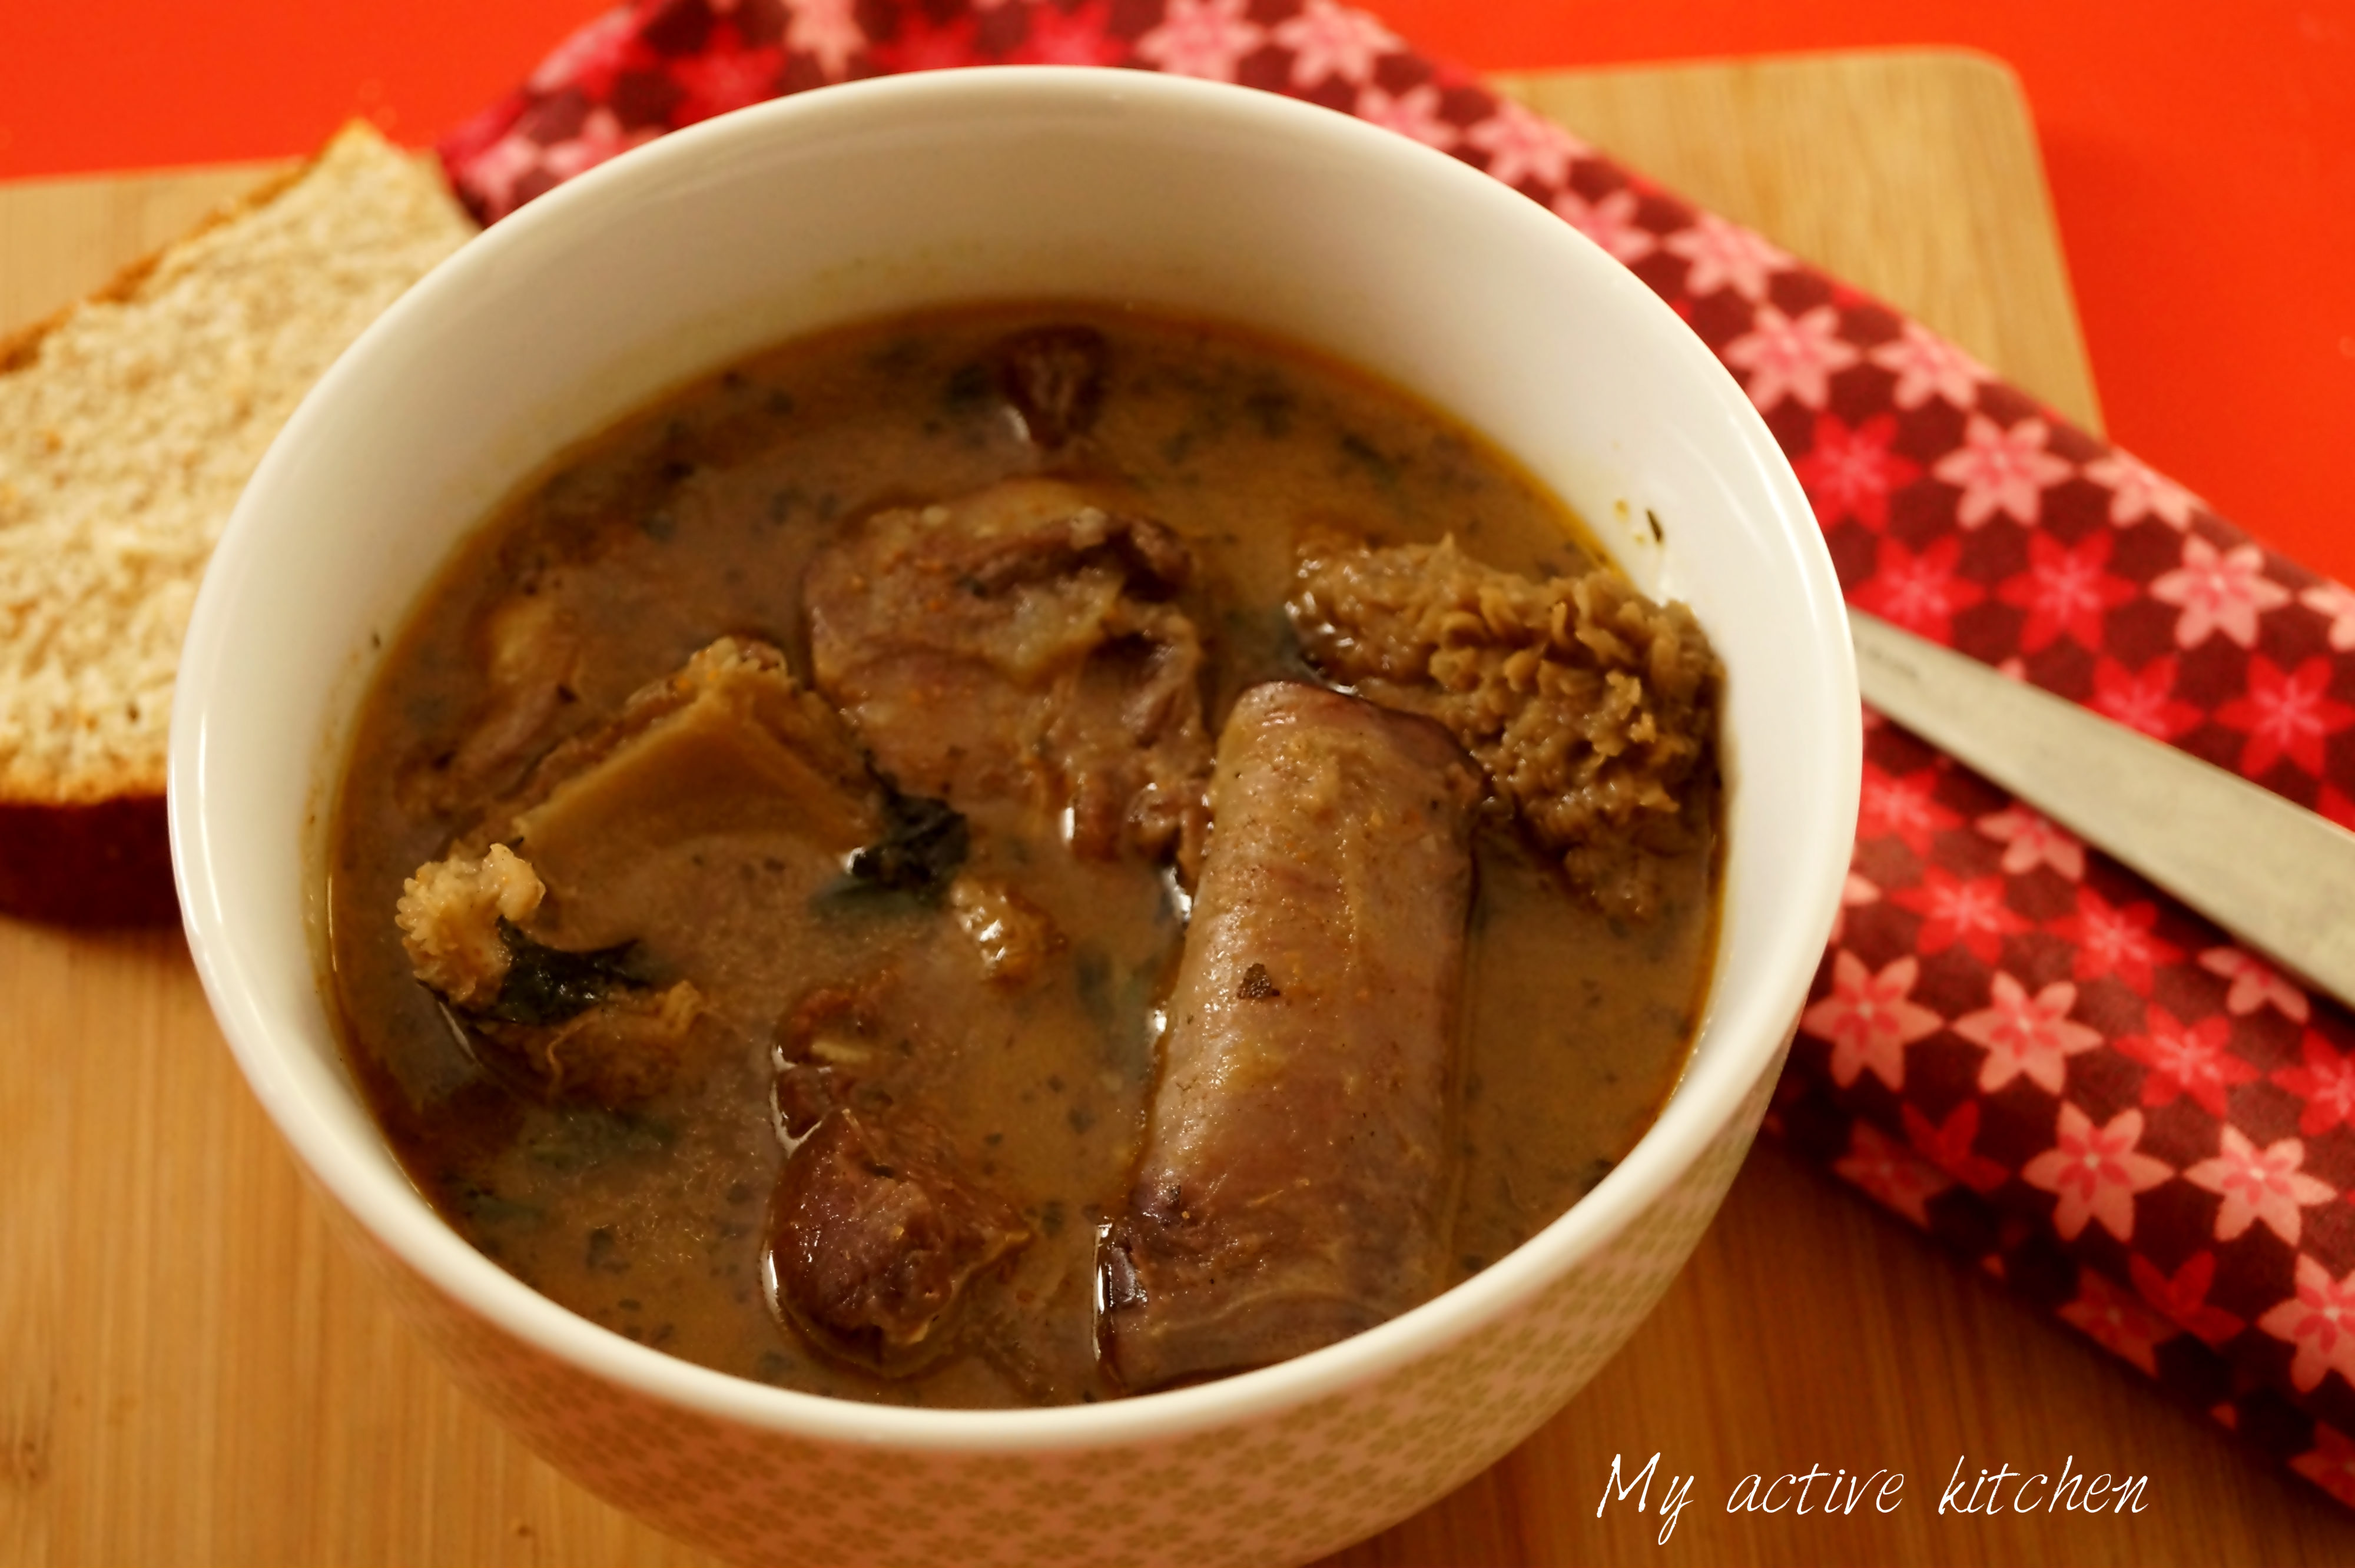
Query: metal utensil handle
pixel 2274 874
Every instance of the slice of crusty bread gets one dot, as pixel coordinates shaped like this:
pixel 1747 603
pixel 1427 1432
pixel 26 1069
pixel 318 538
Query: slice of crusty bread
pixel 129 425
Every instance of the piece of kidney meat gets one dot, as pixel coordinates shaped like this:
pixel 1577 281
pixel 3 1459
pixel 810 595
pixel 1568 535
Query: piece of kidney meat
pixel 875 1235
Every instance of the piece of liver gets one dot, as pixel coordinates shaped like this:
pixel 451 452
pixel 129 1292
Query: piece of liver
pixel 1292 1190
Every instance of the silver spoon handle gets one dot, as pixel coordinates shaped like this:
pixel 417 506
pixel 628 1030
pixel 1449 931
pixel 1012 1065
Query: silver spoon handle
pixel 2276 875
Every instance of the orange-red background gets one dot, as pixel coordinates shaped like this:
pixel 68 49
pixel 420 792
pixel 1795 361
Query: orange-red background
pixel 2202 154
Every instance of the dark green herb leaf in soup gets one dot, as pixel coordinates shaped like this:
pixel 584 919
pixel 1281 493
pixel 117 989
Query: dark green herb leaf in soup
pixel 1023 855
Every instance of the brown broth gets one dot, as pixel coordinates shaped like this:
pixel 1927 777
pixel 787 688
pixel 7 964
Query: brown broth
pixel 698 519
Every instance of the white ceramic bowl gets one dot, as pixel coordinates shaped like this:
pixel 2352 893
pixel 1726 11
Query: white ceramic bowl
pixel 1014 183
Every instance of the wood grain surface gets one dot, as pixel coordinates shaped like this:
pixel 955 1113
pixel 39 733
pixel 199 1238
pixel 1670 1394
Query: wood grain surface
pixel 191 1372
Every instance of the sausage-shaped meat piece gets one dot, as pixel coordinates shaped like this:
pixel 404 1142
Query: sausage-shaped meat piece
pixel 1294 1184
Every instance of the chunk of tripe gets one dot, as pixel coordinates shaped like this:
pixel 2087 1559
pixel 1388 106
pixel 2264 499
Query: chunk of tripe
pixel 449 916
pixel 730 744
pixel 1592 709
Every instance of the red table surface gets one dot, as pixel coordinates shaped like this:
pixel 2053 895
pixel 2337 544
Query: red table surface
pixel 2201 157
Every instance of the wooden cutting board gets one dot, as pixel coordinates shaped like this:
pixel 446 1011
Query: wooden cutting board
pixel 190 1372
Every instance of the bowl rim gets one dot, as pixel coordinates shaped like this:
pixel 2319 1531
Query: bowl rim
pixel 397 1216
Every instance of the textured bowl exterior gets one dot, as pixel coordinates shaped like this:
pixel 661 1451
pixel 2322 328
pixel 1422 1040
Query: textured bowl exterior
pixel 1013 183
pixel 1280 1489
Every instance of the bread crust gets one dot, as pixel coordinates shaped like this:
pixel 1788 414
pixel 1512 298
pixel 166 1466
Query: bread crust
pixel 103 864
pixel 108 861
pixel 87 845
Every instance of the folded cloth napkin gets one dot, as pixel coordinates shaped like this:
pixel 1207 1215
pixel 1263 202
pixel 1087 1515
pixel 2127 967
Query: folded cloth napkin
pixel 2017 1045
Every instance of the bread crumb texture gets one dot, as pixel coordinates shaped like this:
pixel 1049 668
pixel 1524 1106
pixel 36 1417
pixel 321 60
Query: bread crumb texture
pixel 129 426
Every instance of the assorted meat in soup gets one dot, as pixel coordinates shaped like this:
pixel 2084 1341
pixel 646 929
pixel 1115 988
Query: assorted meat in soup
pixel 1022 856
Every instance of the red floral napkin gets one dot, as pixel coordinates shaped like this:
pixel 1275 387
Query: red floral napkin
pixel 2016 1044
